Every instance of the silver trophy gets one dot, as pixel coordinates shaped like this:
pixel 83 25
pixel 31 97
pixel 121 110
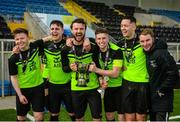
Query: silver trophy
pixel 82 74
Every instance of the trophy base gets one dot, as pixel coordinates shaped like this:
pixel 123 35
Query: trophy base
pixel 81 85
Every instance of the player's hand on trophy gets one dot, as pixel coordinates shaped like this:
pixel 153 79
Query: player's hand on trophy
pixel 73 67
pixel 92 67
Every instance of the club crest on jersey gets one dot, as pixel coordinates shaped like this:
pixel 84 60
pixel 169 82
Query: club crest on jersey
pixel 57 61
pixel 32 66
pixel 153 63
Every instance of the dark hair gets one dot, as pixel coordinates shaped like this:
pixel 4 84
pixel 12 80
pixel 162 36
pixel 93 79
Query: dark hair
pixel 147 31
pixel 101 30
pixel 131 18
pixel 79 20
pixel 20 30
pixel 57 22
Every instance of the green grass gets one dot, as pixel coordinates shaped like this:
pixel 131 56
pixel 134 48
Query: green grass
pixel 64 115
pixel 176 104
pixel 10 114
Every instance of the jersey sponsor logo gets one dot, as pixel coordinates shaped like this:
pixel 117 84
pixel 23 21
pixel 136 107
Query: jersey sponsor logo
pixel 132 60
pixel 32 66
pixel 57 62
pixel 130 57
pixel 153 63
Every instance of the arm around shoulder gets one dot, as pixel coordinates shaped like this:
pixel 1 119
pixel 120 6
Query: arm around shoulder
pixel 64 60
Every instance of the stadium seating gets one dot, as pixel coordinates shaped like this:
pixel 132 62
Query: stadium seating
pixel 5 31
pixel 47 9
pixel 171 14
pixel 168 34
pixel 14 9
pixel 107 15
pixel 128 10
pixel 8 89
pixel 111 20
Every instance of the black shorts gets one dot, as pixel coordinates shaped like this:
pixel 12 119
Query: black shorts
pixel 159 116
pixel 113 99
pixel 35 97
pixel 82 98
pixel 59 93
pixel 135 97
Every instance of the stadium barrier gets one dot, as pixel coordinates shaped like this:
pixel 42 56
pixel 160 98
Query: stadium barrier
pixel 6 46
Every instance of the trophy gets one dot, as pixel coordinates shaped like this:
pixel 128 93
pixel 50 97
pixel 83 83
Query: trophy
pixel 103 80
pixel 82 74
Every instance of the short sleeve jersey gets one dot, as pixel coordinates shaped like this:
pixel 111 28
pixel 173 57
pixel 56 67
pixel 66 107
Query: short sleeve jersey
pixel 114 59
pixel 134 61
pixel 52 53
pixel 77 55
pixel 26 65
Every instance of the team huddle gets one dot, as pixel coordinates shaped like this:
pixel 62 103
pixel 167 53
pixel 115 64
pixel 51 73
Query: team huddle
pixel 137 74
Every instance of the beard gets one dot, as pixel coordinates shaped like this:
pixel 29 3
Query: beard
pixel 56 37
pixel 77 36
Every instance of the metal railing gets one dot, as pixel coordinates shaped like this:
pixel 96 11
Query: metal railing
pixel 174 49
pixel 4 73
pixel 42 25
pixel 36 26
pixel 46 9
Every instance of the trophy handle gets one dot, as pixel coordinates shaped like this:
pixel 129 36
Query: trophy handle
pixel 87 74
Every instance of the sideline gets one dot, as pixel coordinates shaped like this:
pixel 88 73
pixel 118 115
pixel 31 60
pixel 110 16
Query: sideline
pixel 174 117
pixel 31 118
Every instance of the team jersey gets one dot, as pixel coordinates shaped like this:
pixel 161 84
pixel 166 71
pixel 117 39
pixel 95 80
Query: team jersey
pixel 134 61
pixel 77 55
pixel 114 58
pixel 45 71
pixel 52 53
pixel 27 65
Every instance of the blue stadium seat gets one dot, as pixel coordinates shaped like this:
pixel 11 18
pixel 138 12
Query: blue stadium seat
pixel 18 7
pixel 171 14
pixel 8 89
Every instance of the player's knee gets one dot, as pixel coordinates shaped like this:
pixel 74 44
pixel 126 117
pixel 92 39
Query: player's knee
pixel 110 116
pixel 97 119
pixel 80 119
pixel 21 118
pixel 121 117
pixel 130 117
pixel 140 117
pixel 54 117
pixel 71 114
pixel 38 117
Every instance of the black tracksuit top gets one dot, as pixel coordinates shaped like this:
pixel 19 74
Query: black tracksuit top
pixel 163 75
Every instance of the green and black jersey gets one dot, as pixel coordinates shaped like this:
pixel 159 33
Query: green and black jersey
pixel 45 71
pixel 134 61
pixel 77 55
pixel 52 53
pixel 27 65
pixel 114 58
